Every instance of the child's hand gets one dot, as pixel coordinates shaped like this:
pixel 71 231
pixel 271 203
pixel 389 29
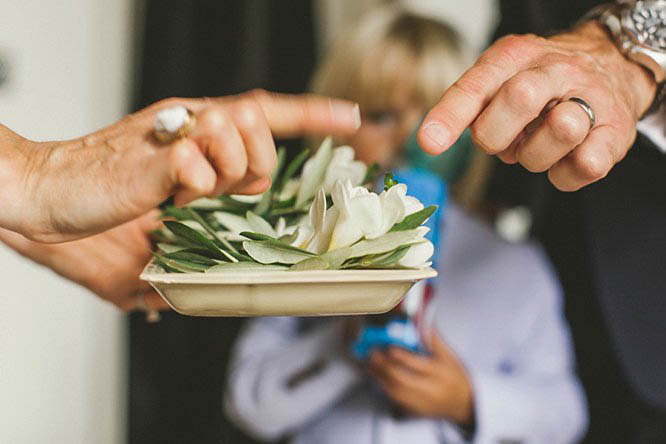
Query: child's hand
pixel 435 385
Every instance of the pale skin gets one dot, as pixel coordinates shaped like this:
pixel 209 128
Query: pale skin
pixel 62 191
pixel 517 81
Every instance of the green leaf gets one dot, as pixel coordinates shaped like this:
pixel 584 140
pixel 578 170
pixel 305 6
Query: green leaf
pixel 222 241
pixel 265 203
pixel 388 181
pixel 182 265
pixel 256 236
pixel 233 222
pixel 371 174
pixel 165 267
pixel 204 203
pixel 292 168
pixel 289 238
pixel 260 225
pixel 311 263
pixel 313 177
pixel 176 213
pixel 414 220
pixel 388 242
pixel 271 252
pixel 192 255
pixel 336 258
pixel 191 235
pixel 244 266
pixel 387 259
pixel 169 248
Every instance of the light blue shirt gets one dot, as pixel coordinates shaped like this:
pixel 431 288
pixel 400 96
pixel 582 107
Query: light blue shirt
pixel 498 306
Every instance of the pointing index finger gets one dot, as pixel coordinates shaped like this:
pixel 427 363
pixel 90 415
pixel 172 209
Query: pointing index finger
pixel 462 103
pixel 308 114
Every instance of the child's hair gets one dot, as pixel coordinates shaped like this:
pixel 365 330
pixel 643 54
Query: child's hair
pixel 390 46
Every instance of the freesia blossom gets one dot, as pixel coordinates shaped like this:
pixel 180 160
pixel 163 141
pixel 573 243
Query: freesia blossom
pixel 326 167
pixel 343 167
pixel 356 214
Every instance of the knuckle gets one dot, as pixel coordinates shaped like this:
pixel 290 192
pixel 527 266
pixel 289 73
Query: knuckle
pixel 590 166
pixel 248 114
pixel 470 86
pixel 532 161
pixel 233 172
pixel 567 128
pixel 183 152
pixel 515 46
pixel 481 141
pixel 524 93
pixel 213 119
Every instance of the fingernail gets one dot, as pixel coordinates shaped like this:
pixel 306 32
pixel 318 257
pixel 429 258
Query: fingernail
pixel 357 116
pixel 437 133
pixel 341 112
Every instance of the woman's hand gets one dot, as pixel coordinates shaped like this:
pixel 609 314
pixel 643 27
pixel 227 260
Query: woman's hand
pixel 59 191
pixel 435 385
pixel 519 79
pixel 108 264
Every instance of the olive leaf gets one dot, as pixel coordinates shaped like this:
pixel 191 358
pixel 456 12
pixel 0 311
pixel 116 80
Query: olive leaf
pixel 388 242
pixel 222 241
pixel 385 260
pixel 205 203
pixel 309 264
pixel 244 266
pixel 272 252
pixel 233 222
pixel 169 248
pixel 414 220
pixel 182 265
pixel 256 236
pixel 190 234
pixel 192 255
pixel 260 225
pixel 291 169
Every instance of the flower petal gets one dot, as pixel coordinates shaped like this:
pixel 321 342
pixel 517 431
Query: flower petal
pixel 417 255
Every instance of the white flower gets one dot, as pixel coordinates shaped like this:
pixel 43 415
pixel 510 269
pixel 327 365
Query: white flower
pixel 395 206
pixel 418 255
pixel 343 167
pixel 326 167
pixel 359 214
pixel 356 214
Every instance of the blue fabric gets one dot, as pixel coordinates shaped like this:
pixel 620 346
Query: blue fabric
pixel 430 189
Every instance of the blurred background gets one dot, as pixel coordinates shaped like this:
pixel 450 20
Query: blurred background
pixel 73 369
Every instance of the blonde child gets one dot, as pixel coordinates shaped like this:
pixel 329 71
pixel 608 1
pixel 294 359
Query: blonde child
pixel 500 367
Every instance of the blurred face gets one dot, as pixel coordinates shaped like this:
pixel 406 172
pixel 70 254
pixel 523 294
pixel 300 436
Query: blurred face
pixel 384 131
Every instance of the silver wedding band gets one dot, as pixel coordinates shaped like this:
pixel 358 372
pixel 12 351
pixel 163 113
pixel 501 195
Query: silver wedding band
pixel 587 108
pixel 152 315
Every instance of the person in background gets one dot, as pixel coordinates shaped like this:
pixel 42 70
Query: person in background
pixel 499 366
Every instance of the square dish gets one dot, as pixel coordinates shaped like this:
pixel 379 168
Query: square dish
pixel 284 293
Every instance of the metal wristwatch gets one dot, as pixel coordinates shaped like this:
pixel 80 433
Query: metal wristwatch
pixel 639 31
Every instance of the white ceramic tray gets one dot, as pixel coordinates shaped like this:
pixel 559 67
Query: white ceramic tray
pixel 284 293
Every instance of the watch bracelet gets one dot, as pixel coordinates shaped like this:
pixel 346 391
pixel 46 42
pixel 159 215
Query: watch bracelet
pixel 596 14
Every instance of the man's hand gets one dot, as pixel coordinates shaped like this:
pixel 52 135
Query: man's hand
pixel 515 100
pixel 108 264
pixel 435 385
pixel 58 191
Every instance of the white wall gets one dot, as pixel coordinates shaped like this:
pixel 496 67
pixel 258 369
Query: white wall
pixel 62 353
